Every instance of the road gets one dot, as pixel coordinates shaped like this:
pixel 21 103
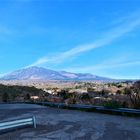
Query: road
pixel 61 124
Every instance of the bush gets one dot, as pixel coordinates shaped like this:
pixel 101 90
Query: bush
pixel 5 97
pixel 112 104
pixel 85 96
pixel 134 94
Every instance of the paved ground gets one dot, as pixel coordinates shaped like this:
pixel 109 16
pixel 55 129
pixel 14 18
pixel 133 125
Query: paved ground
pixel 60 124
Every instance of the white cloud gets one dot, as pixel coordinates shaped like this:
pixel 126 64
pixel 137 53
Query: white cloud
pixel 3 74
pixel 108 37
pixel 103 66
pixel 40 61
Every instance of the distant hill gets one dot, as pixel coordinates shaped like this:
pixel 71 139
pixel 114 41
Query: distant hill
pixel 40 73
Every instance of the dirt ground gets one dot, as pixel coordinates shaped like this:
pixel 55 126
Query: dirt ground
pixel 61 124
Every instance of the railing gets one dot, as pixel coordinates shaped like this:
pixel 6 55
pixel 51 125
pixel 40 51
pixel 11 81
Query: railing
pixel 94 108
pixel 8 125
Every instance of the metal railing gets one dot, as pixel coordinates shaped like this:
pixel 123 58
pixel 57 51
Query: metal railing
pixel 93 108
pixel 8 125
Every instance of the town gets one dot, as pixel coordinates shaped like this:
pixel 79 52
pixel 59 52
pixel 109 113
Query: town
pixel 115 94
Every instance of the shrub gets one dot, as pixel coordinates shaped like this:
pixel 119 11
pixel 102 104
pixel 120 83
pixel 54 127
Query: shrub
pixel 134 94
pixel 112 104
pixel 85 96
pixel 5 97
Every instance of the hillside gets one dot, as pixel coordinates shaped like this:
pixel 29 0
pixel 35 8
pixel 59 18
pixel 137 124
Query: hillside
pixel 40 73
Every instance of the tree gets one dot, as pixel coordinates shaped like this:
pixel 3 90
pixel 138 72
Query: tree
pixel 85 96
pixel 27 97
pixel 134 94
pixel 103 92
pixel 5 97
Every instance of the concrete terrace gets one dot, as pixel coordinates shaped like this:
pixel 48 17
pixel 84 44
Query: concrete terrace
pixel 61 124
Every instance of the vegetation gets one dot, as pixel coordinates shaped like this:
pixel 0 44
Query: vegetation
pixel 112 104
pixel 112 95
pixel 18 93
pixel 5 97
pixel 134 94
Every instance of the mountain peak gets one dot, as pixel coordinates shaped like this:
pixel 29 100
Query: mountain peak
pixel 41 73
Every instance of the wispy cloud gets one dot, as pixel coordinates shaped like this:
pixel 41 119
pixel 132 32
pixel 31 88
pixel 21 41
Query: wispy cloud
pixel 3 74
pixel 103 66
pixel 124 27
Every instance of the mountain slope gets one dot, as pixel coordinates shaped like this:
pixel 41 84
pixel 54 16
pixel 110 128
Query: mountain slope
pixel 39 73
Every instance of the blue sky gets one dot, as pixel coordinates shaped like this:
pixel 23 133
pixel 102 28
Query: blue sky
pixel 101 37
